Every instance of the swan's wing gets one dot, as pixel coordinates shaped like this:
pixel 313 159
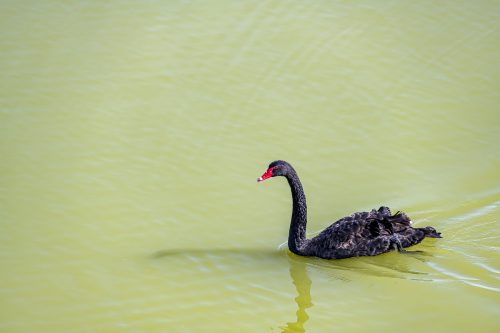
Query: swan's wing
pixel 350 231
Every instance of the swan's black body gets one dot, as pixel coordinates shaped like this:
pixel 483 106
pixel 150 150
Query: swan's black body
pixel 360 234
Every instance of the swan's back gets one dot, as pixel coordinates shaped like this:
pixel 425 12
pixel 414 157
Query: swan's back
pixel 367 234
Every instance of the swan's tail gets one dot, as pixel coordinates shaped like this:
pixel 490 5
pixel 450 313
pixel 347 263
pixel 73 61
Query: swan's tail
pixel 431 232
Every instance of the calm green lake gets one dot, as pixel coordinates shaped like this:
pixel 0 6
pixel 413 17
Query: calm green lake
pixel 131 135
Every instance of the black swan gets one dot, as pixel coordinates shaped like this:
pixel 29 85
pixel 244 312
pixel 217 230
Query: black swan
pixel 361 234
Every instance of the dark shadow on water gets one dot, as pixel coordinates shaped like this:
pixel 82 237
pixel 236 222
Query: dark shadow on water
pixel 216 252
pixel 391 265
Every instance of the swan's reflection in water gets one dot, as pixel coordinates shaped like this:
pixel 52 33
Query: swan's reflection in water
pixel 397 267
pixel 302 283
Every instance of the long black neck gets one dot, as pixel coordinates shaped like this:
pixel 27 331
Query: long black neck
pixel 297 233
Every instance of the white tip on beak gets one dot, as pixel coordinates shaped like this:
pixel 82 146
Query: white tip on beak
pixel 260 179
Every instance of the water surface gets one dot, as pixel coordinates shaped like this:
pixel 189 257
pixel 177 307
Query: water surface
pixel 131 135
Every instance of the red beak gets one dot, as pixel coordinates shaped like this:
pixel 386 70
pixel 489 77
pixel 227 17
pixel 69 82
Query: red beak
pixel 267 174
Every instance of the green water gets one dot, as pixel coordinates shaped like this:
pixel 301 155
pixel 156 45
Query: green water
pixel 131 135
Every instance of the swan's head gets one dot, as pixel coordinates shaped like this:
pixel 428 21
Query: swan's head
pixel 276 168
